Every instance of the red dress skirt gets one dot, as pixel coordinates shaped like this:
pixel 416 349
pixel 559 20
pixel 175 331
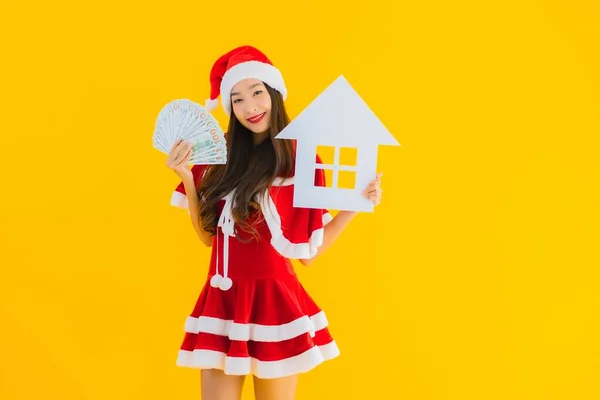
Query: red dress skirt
pixel 253 316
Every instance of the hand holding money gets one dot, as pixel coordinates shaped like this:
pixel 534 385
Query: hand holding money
pixel 185 120
pixel 179 157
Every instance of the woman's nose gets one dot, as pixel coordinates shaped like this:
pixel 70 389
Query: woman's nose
pixel 250 108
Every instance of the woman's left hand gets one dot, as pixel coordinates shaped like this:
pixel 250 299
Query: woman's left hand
pixel 373 190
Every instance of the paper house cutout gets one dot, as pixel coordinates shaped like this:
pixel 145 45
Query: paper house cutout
pixel 340 118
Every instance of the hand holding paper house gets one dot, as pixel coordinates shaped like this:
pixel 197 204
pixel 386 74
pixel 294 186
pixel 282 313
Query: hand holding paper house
pixel 338 117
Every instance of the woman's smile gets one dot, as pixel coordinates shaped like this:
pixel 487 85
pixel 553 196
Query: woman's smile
pixel 256 118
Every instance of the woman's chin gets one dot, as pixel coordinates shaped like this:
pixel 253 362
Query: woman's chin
pixel 259 129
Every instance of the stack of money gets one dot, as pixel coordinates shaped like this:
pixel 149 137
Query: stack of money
pixel 189 121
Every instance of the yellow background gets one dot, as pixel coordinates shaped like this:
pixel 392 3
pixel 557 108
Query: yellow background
pixel 476 278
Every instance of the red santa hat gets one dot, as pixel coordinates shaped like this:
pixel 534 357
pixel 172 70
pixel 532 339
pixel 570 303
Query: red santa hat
pixel 241 63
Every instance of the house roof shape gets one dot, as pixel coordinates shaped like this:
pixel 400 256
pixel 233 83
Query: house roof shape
pixel 339 116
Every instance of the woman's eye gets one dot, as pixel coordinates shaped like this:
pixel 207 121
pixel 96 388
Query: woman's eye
pixel 236 100
pixel 257 92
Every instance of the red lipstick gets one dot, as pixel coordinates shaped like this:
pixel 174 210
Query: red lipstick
pixel 257 118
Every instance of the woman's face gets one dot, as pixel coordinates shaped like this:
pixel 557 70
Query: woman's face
pixel 252 104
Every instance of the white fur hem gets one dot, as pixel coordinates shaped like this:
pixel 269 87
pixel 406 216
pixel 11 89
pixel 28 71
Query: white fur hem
pixel 257 332
pixel 205 359
pixel 282 244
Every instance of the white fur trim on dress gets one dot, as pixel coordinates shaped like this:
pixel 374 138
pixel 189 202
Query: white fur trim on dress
pixel 283 181
pixel 179 199
pixel 282 244
pixel 257 332
pixel 278 240
pixel 250 69
pixel 301 363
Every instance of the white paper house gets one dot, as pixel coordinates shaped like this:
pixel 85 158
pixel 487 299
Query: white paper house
pixel 338 117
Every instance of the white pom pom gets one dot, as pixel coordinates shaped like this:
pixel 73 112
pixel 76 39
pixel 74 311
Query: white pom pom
pixel 211 104
pixel 216 280
pixel 225 283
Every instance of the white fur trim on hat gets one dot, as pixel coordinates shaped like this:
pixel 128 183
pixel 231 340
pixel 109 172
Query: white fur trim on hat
pixel 250 69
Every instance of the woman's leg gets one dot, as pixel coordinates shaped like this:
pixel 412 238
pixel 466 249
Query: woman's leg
pixel 215 385
pixel 276 389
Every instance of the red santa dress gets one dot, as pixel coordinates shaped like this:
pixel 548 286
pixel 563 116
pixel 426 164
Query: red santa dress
pixel 253 316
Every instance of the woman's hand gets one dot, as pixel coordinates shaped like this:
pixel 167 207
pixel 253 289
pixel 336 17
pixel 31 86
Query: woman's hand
pixel 178 158
pixel 373 191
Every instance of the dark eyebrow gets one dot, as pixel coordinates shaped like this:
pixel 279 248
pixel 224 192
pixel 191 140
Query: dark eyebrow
pixel 237 93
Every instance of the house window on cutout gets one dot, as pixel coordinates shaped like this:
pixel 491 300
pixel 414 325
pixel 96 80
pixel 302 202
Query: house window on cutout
pixel 339 165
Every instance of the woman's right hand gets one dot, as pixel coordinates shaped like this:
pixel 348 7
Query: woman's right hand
pixel 178 158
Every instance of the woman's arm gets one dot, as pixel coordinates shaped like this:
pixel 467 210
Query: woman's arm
pixel 336 226
pixel 194 209
pixel 178 160
pixel 331 232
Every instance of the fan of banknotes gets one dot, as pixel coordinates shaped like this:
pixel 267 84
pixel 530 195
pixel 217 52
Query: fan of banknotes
pixel 187 120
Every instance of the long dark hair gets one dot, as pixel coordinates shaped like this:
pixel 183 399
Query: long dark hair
pixel 249 169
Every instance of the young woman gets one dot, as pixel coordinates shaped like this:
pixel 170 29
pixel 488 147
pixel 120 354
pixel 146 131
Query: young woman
pixel 253 317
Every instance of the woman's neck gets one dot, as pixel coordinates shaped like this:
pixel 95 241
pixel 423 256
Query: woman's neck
pixel 258 138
